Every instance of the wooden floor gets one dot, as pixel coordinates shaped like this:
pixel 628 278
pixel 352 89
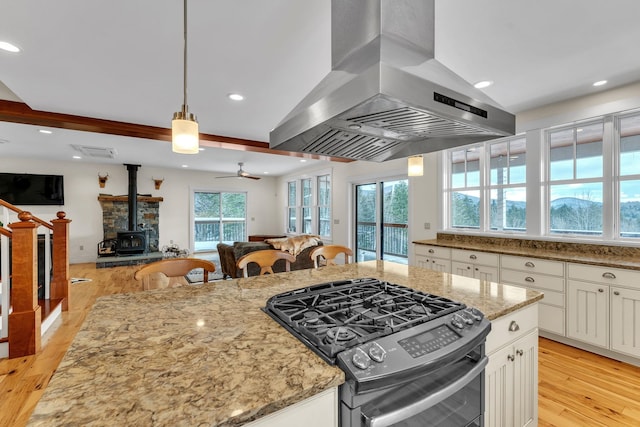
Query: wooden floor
pixel 577 388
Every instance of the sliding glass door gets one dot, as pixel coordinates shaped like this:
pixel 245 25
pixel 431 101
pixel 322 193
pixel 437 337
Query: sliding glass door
pixel 381 220
pixel 218 217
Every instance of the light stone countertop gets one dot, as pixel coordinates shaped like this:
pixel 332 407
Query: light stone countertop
pixel 589 254
pixel 206 355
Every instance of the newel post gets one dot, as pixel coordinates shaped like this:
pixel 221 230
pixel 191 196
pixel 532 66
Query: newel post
pixel 60 283
pixel 25 320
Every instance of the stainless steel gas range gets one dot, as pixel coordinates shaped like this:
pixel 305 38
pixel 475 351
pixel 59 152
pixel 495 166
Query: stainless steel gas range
pixel 411 359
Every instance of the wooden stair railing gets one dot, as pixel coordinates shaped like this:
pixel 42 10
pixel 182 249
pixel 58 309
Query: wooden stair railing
pixel 25 319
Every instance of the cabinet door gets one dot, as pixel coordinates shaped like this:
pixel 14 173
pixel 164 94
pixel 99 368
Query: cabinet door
pixel 526 380
pixel 625 321
pixel 441 265
pixel 499 380
pixel 422 261
pixel 484 272
pixel 588 312
pixel 461 269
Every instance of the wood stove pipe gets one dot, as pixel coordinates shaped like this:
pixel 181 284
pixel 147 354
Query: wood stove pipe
pixel 132 196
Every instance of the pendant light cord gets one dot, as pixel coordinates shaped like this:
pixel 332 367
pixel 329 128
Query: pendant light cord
pixel 184 75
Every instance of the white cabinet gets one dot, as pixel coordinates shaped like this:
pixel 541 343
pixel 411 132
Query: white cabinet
pixel 603 307
pixel 433 257
pixel 588 308
pixel 320 410
pixel 625 320
pixel 539 275
pixel 476 264
pixel 511 376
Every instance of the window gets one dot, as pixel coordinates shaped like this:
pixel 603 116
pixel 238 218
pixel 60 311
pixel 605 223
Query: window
pixel 629 181
pixel 292 207
pixel 465 188
pixel 219 217
pixel 507 185
pixel 584 182
pixel 309 205
pixel 575 190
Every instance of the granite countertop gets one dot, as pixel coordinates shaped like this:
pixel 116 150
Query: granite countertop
pixel 207 354
pixel 590 254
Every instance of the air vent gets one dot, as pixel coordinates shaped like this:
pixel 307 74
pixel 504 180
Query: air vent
pixel 96 152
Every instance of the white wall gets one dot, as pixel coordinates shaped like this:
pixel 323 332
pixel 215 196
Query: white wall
pixel 82 207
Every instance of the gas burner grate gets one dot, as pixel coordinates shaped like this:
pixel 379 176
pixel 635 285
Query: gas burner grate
pixel 334 316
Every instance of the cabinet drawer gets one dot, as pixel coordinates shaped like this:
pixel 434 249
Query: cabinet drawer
pixel 553 268
pixel 604 275
pixel 511 327
pixel 532 279
pixel 551 318
pixel 433 251
pixel 475 257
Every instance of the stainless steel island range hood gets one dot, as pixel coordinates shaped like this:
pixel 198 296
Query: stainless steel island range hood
pixel 386 96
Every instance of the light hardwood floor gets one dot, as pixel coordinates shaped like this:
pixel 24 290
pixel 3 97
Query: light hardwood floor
pixel 577 388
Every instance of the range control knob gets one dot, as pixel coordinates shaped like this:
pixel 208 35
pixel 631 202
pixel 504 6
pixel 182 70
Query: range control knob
pixel 456 322
pixel 360 359
pixel 377 353
pixel 475 313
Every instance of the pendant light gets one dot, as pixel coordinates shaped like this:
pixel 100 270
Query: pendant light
pixel 184 127
pixel 415 166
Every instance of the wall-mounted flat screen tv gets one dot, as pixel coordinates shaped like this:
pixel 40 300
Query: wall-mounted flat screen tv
pixel 32 189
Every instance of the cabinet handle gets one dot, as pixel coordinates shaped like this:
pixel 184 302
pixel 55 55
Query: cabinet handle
pixel 608 275
pixel 513 326
pixel 468 267
pixel 510 357
pixel 600 290
pixel 616 293
pixel 529 264
pixel 431 251
pixel 473 257
pixel 477 269
pixel 519 352
pixel 529 279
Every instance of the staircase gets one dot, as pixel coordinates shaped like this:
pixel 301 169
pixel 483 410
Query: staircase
pixel 23 316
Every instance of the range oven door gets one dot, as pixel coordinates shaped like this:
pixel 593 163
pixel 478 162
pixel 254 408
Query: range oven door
pixel 453 396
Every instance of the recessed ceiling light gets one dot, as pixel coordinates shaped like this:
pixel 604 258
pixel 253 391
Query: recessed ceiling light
pixel 77 157
pixel 235 97
pixel 303 160
pixel 600 83
pixel 48 132
pixel 482 84
pixel 9 47
pixel 185 166
pixel 266 173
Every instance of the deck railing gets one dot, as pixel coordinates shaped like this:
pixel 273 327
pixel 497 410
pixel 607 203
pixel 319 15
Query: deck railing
pixel 394 242
pixel 211 231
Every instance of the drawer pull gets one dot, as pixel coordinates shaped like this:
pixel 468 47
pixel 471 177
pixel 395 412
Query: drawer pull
pixel 608 275
pixel 600 290
pixel 616 293
pixel 519 352
pixel 513 326
pixel 510 357
pixel 473 257
pixel 431 251
pixel 529 279
pixel 529 264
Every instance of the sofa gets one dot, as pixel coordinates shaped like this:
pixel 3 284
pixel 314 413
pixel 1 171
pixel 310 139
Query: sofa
pixel 230 254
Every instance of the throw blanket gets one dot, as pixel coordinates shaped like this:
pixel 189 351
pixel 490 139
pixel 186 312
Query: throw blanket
pixel 295 244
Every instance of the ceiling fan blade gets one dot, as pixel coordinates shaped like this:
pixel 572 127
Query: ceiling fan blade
pixel 251 177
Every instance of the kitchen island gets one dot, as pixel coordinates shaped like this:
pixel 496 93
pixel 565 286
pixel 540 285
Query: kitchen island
pixel 208 355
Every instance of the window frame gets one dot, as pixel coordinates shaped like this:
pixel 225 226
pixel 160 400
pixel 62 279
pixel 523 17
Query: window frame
pixel 220 218
pixel 313 208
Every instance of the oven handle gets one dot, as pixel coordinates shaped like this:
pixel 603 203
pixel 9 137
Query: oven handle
pixel 429 401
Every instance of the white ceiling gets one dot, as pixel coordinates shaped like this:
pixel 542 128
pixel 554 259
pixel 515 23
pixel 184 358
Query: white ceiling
pixel 122 60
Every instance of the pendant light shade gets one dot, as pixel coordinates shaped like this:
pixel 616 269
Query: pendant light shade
pixel 184 127
pixel 415 166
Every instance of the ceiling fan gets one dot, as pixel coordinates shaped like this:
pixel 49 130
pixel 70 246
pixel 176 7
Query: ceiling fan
pixel 240 174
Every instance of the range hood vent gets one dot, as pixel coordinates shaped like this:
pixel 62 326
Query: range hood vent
pixel 386 96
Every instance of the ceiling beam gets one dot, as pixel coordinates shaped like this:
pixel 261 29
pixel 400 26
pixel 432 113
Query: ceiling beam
pixel 19 112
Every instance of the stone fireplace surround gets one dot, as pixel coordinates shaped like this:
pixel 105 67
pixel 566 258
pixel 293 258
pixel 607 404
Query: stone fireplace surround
pixel 115 216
